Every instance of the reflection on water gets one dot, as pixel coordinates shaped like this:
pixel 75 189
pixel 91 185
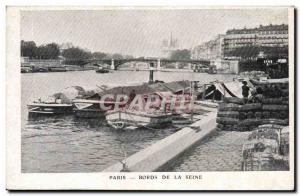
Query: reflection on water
pixel 70 144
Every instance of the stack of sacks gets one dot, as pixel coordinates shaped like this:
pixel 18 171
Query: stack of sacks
pixel 228 114
pixel 234 115
pixel 272 90
pixel 275 110
pixel 250 116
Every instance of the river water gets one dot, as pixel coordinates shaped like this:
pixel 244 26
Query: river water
pixel 69 144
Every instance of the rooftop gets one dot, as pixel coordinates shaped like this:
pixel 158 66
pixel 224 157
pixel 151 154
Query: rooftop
pixel 260 28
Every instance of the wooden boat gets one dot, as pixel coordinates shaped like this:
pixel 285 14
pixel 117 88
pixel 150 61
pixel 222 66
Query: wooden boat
pixel 102 70
pixel 58 103
pixel 123 118
pixel 57 69
pixel 84 108
pixel 87 108
pixel 40 69
pixel 26 69
pixel 36 109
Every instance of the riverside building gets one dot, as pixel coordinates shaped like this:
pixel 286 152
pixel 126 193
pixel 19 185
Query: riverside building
pixel 261 37
pixel 228 45
pixel 210 50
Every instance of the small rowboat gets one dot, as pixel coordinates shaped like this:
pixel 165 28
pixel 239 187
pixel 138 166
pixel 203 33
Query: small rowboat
pixel 102 70
pixel 58 103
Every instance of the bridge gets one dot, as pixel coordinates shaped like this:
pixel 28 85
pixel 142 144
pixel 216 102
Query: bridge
pixel 116 63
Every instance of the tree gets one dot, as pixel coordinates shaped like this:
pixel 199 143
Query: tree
pixel 76 53
pixel 52 51
pixel 180 54
pixel 117 56
pixel 128 57
pixel 99 55
pixel 76 56
pixel 28 49
pixel 49 51
pixel 66 45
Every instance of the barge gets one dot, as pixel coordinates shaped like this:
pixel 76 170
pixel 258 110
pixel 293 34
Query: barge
pixel 123 118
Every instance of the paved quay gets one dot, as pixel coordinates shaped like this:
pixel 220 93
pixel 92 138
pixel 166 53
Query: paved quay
pixel 220 152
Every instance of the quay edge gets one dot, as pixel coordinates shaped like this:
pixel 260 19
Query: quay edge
pixel 160 154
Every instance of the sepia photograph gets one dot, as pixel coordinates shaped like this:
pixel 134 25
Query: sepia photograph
pixel 183 92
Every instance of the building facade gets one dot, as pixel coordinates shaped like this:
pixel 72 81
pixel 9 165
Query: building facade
pixel 210 50
pixel 260 37
pixel 251 39
pixel 273 35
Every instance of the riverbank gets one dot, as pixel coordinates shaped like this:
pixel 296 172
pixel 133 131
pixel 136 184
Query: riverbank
pixel 60 68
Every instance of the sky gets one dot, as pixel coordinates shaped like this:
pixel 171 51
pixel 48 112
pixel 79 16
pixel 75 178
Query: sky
pixel 139 32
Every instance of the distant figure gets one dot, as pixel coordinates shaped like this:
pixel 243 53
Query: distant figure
pixel 213 88
pixel 245 91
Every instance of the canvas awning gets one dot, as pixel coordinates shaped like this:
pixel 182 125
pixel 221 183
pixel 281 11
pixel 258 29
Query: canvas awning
pixel 228 89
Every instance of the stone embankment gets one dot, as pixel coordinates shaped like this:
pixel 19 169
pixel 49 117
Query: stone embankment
pixel 162 153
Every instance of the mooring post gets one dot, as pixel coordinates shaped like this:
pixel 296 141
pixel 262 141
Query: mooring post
pixel 151 67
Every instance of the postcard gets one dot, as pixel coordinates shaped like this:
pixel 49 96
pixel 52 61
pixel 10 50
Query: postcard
pixel 150 98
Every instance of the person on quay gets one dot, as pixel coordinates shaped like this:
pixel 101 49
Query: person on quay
pixel 245 91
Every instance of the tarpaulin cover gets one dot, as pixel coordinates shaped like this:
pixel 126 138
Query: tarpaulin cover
pixel 229 89
pixel 234 89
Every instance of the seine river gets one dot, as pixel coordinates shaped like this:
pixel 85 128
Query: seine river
pixel 69 144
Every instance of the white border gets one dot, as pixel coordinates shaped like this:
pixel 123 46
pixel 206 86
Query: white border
pixel 90 181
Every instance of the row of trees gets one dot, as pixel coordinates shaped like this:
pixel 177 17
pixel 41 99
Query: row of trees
pixel 31 50
pixel 53 51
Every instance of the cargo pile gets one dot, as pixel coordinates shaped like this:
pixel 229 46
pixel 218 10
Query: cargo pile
pixel 267 148
pixel 235 115
pixel 272 88
pixel 266 115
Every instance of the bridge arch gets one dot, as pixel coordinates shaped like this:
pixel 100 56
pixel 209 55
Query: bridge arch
pixel 116 63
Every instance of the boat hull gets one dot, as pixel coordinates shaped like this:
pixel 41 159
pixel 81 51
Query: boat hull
pixel 125 119
pixel 49 109
pixel 102 71
pixel 88 109
pixel 88 113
